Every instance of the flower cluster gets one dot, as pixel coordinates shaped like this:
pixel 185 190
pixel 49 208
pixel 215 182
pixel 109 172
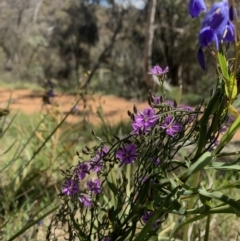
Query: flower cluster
pixel 96 163
pixel 94 186
pixel 127 154
pixel 157 70
pixel 144 173
pixel 195 7
pixel 144 121
pixel 150 151
pixel 217 25
pixel 71 186
pixel 171 126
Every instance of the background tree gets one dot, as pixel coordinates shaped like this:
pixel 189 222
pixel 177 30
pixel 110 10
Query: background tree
pixel 105 45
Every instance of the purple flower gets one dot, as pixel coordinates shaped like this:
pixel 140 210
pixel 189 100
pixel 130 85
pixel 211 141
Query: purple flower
pixel 157 70
pixel 147 216
pixel 229 120
pixel 144 121
pixel 188 108
pixel 195 7
pixel 190 117
pixel 223 129
pixel 86 200
pixel 127 154
pixel 232 13
pixel 94 186
pixel 50 93
pixel 39 223
pixel 106 239
pixel 214 24
pixel 214 145
pixel 201 58
pixel 171 127
pixel 81 170
pixel 70 187
pixel 229 33
pixel 144 179
pixel 156 161
pixel 169 102
pixel 75 109
pixel 96 163
pixel 104 151
pixel 157 100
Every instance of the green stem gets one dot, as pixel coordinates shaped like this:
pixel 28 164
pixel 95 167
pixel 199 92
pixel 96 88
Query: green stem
pixel 237 46
pixel 128 175
pixel 190 205
pixel 113 180
pixel 162 87
pixel 206 236
pixel 128 188
pixel 24 229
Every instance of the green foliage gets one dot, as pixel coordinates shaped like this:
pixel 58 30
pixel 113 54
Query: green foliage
pixel 191 186
pixel 65 41
pixel 33 152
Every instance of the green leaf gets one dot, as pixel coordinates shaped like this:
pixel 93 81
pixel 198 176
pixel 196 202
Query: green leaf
pixel 112 187
pixel 230 81
pixel 223 166
pixel 225 199
pixel 236 102
pixel 206 201
pixel 223 64
pixel 178 208
pixel 231 88
pixel 211 108
pixel 199 165
pixel 113 214
pixel 143 192
pixel 179 182
pixel 108 201
pixel 227 137
pixel 125 235
pixel 29 225
pixel 142 235
pixel 178 226
pixel 179 95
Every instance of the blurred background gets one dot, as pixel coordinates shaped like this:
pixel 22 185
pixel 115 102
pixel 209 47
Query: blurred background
pixel 72 66
pixel 107 45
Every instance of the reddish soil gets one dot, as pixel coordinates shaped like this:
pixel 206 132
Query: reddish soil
pixel 30 102
pixel 114 108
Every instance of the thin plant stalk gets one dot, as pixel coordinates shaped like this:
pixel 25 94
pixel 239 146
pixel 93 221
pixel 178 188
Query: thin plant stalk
pixel 190 205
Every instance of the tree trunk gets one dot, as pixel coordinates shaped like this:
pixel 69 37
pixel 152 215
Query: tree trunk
pixel 149 41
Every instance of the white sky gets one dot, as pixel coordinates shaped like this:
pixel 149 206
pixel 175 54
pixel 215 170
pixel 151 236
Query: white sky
pixel 140 4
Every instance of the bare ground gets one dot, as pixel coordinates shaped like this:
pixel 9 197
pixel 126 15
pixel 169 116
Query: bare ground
pixel 114 108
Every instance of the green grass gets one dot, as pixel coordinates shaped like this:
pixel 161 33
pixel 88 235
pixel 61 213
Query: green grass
pixel 34 150
pixel 191 99
pixel 20 85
